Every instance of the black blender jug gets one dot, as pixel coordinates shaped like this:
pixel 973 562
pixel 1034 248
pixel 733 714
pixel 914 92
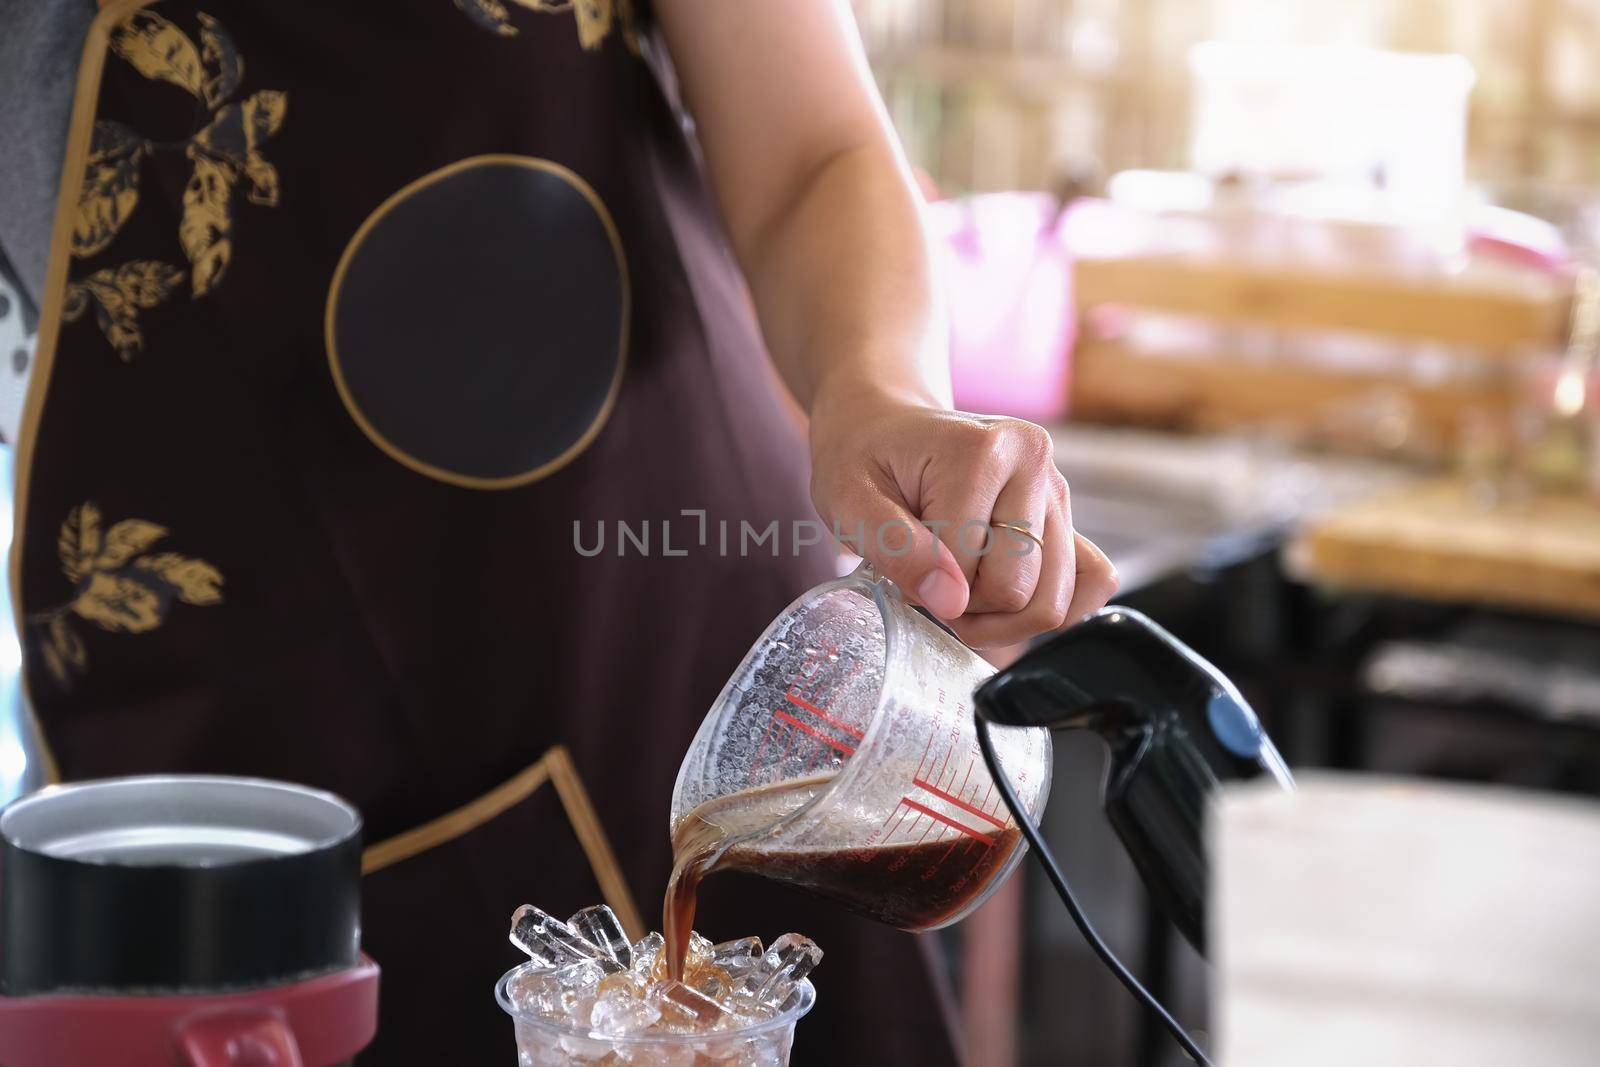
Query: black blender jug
pixel 1175 729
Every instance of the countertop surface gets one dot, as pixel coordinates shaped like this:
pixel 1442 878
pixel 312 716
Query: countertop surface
pixel 1160 504
pixel 1436 542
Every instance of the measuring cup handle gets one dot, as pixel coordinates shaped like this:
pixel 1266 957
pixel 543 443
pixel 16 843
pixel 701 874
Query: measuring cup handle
pixel 866 572
pixel 884 587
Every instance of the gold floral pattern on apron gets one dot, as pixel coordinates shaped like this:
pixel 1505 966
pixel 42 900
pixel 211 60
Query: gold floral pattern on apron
pixel 117 294
pixel 120 586
pixel 595 18
pixel 223 151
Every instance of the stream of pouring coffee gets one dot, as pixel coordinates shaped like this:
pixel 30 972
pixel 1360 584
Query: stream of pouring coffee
pixel 914 885
pixel 700 846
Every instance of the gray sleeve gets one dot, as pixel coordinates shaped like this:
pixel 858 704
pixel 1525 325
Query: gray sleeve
pixel 41 42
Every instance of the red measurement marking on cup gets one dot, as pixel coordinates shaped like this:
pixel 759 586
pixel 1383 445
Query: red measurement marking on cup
pixel 965 805
pixel 945 802
pixel 785 717
pixel 941 818
pixel 810 719
pixel 802 702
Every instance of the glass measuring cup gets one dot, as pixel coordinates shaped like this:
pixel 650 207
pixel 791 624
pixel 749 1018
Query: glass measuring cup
pixel 842 757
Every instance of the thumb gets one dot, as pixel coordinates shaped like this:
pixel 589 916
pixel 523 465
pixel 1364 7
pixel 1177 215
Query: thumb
pixel 876 523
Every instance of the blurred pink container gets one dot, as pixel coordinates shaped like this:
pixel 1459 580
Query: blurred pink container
pixel 1008 280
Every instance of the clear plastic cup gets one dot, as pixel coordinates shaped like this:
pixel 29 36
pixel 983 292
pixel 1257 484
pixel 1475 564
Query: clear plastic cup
pixel 543 1042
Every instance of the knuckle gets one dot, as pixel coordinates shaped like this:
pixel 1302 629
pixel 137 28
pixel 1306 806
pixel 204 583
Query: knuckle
pixel 1011 595
pixel 1033 440
pixel 1052 617
pixel 976 432
pixel 989 453
pixel 1060 506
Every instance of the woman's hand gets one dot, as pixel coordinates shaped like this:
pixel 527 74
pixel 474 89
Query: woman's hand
pixel 916 489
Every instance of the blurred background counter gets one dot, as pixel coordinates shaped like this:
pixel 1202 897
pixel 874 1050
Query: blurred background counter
pixel 1304 290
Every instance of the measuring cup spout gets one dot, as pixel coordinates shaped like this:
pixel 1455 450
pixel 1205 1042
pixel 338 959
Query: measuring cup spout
pixel 1175 726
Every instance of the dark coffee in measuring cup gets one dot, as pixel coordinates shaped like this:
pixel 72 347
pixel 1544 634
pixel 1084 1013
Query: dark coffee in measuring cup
pixel 913 887
pixel 911 884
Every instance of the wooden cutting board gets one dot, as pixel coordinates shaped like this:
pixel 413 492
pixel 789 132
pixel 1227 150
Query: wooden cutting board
pixel 1434 542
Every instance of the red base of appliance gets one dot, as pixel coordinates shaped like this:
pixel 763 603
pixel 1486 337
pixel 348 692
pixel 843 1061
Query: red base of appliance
pixel 316 1023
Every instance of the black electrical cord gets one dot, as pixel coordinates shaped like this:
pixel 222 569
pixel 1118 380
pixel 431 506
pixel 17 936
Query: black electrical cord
pixel 1059 880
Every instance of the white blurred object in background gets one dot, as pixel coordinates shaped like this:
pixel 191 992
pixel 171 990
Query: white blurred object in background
pixel 1352 115
pixel 15 773
pixel 1392 923
pixel 16 356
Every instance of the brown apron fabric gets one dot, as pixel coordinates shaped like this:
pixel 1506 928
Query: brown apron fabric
pixel 221 568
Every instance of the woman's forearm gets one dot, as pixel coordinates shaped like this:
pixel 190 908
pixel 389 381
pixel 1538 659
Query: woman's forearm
pixel 817 198
pixel 845 287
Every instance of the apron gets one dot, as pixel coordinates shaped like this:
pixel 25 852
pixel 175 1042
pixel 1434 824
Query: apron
pixel 362 318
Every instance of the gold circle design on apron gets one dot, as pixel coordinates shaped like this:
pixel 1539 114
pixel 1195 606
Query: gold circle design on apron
pixel 477 322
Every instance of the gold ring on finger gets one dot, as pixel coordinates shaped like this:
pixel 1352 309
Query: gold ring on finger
pixel 1021 528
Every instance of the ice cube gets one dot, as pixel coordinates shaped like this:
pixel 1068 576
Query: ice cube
pixel 599 926
pixel 764 1055
pixel 798 953
pixel 582 1007
pixel 709 980
pixel 684 1010
pixel 578 1048
pixel 732 1051
pixel 789 960
pixel 623 982
pixel 618 1011
pixel 585 975
pixel 535 992
pixel 527 987
pixel 547 939
pixel 736 957
pixel 744 1009
pixel 699 951
pixel 664 1055
pixel 647 952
